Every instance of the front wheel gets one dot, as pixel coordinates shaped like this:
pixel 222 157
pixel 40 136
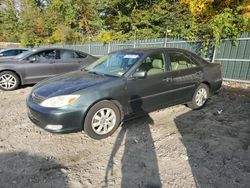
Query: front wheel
pixel 102 120
pixel 200 97
pixel 9 81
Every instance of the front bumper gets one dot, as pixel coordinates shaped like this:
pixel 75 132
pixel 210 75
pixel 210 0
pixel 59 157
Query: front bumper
pixel 68 119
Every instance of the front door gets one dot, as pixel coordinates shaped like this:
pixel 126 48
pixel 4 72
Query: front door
pixel 39 66
pixel 152 92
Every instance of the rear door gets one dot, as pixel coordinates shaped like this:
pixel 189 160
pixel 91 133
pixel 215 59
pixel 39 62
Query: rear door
pixel 39 66
pixel 69 60
pixel 152 92
pixel 187 73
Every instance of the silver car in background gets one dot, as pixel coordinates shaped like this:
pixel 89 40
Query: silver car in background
pixel 37 64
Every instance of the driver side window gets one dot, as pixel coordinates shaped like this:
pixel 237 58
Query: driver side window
pixel 153 64
pixel 43 56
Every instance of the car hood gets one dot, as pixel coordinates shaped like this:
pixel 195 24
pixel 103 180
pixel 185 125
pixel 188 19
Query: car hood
pixel 68 83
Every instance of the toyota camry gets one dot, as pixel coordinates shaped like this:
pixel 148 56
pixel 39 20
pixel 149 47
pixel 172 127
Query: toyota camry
pixel 119 86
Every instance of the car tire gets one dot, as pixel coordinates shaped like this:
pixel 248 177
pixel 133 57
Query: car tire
pixel 9 81
pixel 102 120
pixel 200 97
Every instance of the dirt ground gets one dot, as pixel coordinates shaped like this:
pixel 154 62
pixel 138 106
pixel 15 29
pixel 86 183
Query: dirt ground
pixel 175 147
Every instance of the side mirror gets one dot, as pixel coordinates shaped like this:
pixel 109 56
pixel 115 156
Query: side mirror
pixel 140 74
pixel 82 67
pixel 1 55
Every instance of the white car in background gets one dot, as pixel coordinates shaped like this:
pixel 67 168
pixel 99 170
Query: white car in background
pixel 11 52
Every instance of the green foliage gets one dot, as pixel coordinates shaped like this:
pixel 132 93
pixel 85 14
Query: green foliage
pixel 35 22
pixel 9 21
pixel 226 24
pixel 105 36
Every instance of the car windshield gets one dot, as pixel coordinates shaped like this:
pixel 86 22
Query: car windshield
pixel 114 64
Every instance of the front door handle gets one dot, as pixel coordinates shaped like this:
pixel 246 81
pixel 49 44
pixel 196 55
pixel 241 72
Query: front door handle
pixel 167 80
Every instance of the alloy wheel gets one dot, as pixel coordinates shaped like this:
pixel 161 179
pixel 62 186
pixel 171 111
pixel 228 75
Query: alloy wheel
pixel 201 97
pixel 7 81
pixel 103 121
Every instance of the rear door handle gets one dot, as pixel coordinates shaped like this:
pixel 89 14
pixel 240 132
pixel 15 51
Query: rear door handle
pixel 167 80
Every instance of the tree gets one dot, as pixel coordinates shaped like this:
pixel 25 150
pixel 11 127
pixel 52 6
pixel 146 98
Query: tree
pixel 35 22
pixel 77 18
pixel 9 21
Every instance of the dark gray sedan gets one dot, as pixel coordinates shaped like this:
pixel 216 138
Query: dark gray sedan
pixel 38 64
pixel 122 85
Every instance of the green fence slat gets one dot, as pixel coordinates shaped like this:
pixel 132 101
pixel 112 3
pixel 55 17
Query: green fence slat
pixel 247 50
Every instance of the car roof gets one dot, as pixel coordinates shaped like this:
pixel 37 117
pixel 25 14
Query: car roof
pixel 51 48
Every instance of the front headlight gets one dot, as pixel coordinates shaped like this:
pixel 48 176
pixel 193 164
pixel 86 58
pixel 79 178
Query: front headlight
pixel 60 101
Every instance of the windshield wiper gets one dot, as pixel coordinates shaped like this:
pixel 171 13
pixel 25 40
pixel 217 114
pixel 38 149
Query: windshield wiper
pixel 93 72
pixel 110 75
pixel 102 74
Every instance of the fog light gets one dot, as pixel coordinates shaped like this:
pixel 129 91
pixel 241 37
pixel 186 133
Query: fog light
pixel 53 127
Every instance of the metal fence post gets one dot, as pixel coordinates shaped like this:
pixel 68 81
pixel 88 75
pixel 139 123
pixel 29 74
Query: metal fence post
pixel 166 40
pixel 214 54
pixel 135 40
pixel 109 47
pixel 89 47
pixel 134 43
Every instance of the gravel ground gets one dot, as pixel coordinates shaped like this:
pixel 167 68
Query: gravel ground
pixel 175 147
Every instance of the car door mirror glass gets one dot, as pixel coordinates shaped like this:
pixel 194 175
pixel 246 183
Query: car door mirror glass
pixel 140 74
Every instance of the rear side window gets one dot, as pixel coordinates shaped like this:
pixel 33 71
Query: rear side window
pixel 67 54
pixel 81 55
pixel 180 61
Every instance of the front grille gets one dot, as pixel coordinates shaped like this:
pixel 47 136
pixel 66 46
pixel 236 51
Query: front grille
pixel 34 120
pixel 37 99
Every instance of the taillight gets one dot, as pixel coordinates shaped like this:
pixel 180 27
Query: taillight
pixel 219 69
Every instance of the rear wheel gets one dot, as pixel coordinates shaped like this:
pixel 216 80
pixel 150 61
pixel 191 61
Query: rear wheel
pixel 200 97
pixel 9 81
pixel 102 120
